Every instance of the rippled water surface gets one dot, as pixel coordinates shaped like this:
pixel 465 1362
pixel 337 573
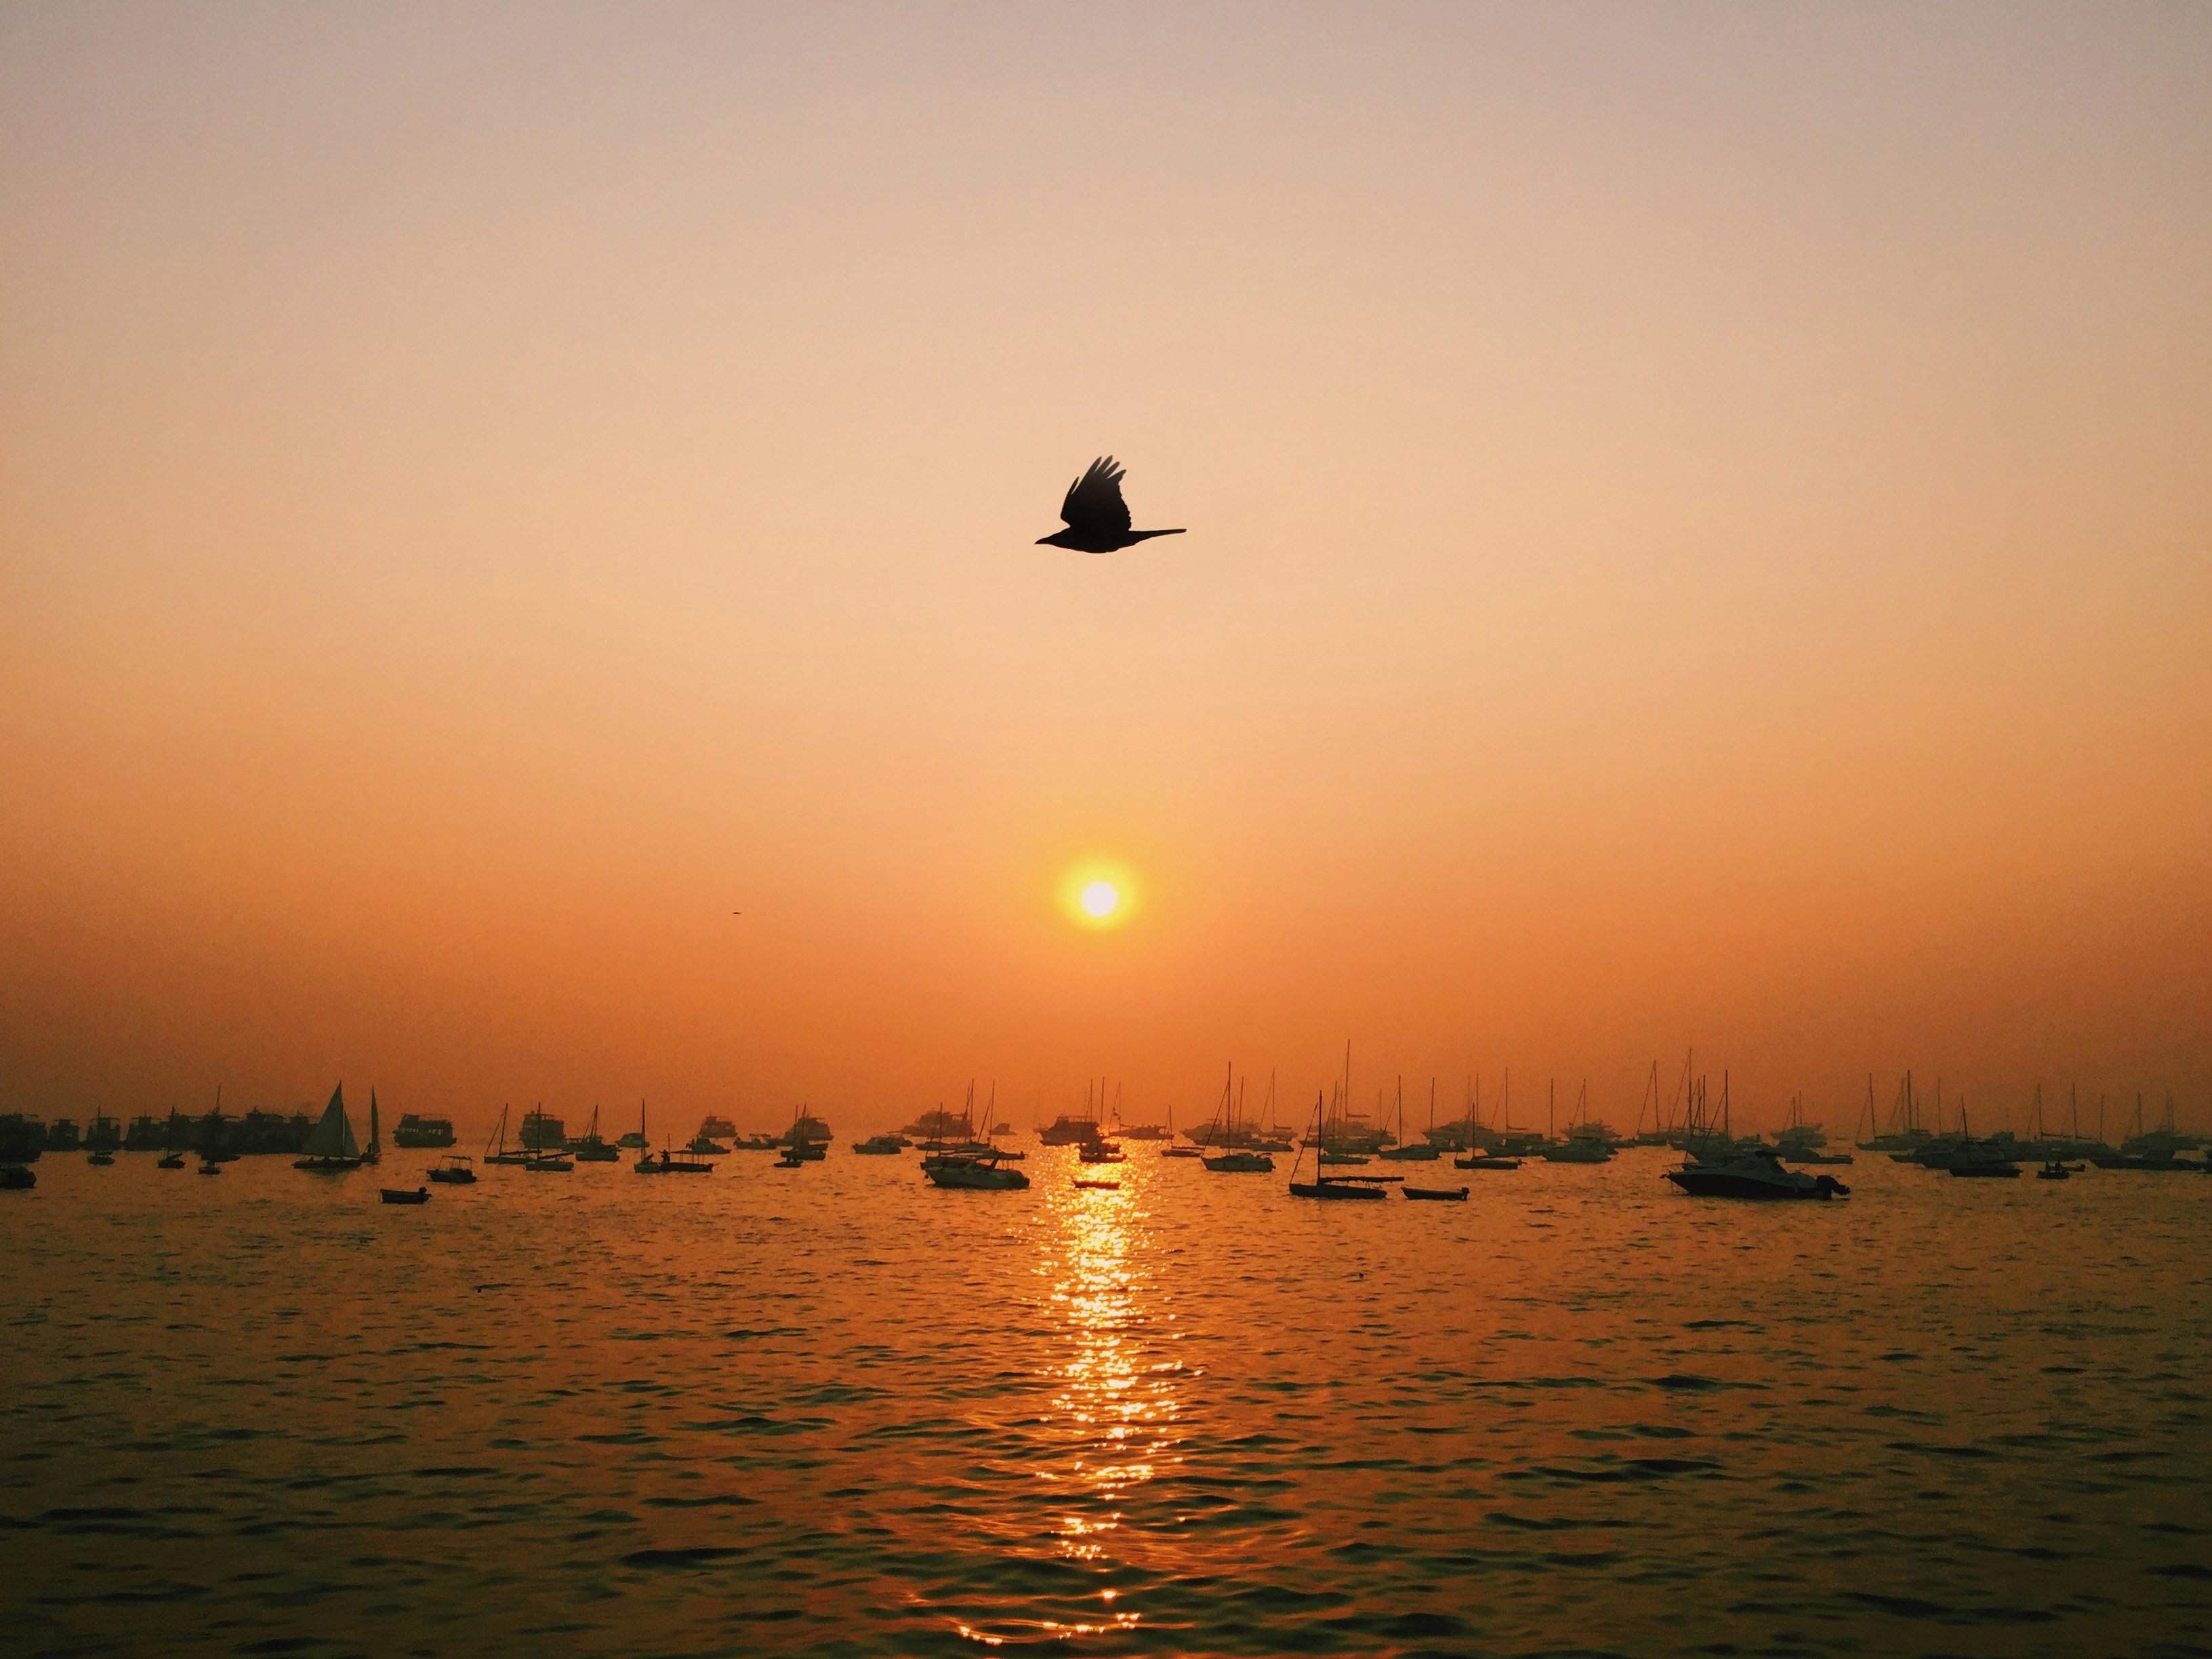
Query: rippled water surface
pixel 835 1411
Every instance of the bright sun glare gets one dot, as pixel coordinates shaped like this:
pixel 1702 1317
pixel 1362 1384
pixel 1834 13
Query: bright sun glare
pixel 1100 898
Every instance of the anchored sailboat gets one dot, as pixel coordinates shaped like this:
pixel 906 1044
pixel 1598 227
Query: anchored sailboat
pixel 331 1148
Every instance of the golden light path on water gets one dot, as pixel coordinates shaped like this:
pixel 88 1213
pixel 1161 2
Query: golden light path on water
pixel 1114 1404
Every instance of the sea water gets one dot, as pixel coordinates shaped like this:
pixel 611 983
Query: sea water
pixel 835 1411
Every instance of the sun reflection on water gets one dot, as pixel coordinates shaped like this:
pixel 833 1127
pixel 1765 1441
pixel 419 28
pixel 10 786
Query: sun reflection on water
pixel 1116 1409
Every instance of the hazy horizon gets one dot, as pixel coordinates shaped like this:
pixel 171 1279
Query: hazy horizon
pixel 1699 535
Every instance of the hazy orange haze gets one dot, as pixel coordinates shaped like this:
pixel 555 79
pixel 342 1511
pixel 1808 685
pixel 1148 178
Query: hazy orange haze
pixel 1699 534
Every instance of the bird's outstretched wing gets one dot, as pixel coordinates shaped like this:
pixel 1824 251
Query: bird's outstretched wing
pixel 1094 500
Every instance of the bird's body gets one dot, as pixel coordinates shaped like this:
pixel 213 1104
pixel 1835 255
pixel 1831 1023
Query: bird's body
pixel 1097 518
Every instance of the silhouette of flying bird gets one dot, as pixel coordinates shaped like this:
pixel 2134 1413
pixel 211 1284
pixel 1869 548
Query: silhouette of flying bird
pixel 1097 518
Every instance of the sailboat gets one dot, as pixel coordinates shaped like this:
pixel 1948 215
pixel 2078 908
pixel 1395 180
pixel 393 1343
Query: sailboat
pixel 496 1149
pixel 590 1149
pixel 330 1148
pixel 1333 1187
pixel 1580 1145
pixel 1234 1162
pixel 667 1163
pixel 171 1158
pixel 1480 1153
pixel 1406 1151
pixel 374 1152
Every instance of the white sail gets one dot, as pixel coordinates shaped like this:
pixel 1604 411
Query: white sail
pixel 333 1136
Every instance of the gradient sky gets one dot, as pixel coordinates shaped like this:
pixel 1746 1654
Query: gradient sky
pixel 1700 533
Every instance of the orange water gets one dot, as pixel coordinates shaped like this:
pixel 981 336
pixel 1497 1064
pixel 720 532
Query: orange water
pixel 835 1411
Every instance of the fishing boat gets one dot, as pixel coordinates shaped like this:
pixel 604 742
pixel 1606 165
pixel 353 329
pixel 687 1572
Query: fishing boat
pixel 705 1145
pixel 1727 1170
pixel 1436 1194
pixel 1488 1161
pixel 666 1164
pixel 330 1148
pixel 454 1170
pixel 633 1140
pixel 550 1164
pixel 2056 1169
pixel 879 1146
pixel 18 1177
pixel 1098 1185
pixel 405 1195
pixel 100 1155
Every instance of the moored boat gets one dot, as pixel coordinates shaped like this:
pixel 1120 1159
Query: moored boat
pixel 415 1132
pixel 1241 1164
pixel 454 1170
pixel 496 1150
pixel 1738 1171
pixel 1489 1163
pixel 405 1195
pixel 590 1147
pixel 666 1163
pixel 977 1171
pixel 1436 1194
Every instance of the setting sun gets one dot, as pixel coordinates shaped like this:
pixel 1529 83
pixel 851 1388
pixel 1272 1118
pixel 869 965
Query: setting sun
pixel 1099 893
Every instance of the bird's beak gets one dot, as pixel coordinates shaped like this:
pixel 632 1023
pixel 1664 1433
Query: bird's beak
pixel 1040 541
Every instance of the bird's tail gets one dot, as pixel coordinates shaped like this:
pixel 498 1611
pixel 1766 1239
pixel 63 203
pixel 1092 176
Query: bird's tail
pixel 1147 535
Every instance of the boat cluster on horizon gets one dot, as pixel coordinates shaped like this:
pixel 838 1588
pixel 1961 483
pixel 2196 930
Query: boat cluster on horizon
pixel 956 1153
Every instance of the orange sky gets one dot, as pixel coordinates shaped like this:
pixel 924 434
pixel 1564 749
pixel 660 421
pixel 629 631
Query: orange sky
pixel 1700 534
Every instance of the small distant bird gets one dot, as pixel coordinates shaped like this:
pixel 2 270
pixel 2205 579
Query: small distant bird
pixel 1097 518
